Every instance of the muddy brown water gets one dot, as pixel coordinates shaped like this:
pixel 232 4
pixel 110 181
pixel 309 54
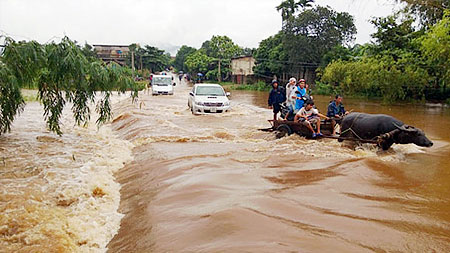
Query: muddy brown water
pixel 213 183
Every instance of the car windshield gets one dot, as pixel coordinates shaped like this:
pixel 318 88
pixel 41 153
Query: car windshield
pixel 161 81
pixel 210 91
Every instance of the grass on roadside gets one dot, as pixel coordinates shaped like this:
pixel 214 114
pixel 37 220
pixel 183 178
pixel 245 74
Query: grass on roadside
pixel 259 86
pixel 142 85
pixel 29 95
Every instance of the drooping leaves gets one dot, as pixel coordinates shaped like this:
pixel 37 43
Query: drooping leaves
pixel 63 74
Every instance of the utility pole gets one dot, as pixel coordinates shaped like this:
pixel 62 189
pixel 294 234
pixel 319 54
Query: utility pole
pixel 132 62
pixel 220 74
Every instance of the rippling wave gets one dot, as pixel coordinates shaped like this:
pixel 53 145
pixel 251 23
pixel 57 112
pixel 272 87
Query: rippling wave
pixel 213 183
pixel 59 193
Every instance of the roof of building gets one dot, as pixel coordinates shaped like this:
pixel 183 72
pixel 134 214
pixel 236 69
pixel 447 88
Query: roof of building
pixel 103 45
pixel 239 57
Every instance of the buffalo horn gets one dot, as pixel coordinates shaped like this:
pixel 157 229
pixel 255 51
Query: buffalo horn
pixel 405 127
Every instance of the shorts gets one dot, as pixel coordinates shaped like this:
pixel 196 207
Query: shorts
pixel 336 120
pixel 311 120
pixel 276 108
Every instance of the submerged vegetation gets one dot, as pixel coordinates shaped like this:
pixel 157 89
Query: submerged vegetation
pixel 62 74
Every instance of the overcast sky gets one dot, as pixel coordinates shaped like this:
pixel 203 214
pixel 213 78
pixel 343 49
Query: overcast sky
pixel 166 24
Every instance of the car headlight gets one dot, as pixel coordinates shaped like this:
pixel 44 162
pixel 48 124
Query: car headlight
pixel 226 104
pixel 199 103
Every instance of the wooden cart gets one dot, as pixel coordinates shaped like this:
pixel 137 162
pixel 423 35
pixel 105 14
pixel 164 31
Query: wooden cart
pixel 285 128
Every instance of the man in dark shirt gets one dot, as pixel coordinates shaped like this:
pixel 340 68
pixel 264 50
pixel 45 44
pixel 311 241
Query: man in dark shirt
pixel 276 97
pixel 336 111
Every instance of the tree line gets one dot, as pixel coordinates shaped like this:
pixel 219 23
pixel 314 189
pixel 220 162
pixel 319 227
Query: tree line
pixel 212 59
pixel 408 57
pixel 408 60
pixel 308 33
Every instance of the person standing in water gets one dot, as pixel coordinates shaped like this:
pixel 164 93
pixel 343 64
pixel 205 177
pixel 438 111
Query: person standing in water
pixel 276 97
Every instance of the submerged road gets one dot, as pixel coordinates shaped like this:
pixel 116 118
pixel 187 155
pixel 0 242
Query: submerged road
pixel 212 183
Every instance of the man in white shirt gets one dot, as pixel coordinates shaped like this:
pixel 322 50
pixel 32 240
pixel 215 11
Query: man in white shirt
pixel 310 116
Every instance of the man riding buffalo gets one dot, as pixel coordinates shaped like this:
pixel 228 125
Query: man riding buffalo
pixel 336 112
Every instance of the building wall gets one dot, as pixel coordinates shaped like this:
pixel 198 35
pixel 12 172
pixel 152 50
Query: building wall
pixel 111 51
pixel 242 66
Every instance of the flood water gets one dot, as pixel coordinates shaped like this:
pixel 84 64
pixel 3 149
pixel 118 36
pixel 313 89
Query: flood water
pixel 59 194
pixel 213 183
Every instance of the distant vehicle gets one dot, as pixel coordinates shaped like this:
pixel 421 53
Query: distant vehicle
pixel 208 98
pixel 162 84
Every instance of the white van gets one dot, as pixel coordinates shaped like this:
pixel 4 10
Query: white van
pixel 162 84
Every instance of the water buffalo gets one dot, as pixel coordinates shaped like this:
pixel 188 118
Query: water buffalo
pixel 386 129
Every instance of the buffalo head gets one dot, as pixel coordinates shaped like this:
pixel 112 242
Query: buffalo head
pixel 409 134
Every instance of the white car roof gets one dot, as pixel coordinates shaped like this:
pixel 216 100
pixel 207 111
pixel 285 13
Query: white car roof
pixel 208 84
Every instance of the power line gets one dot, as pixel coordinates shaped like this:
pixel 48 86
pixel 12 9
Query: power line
pixel 312 64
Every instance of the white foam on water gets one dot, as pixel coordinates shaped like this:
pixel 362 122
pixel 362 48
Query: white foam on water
pixel 95 218
pixel 60 193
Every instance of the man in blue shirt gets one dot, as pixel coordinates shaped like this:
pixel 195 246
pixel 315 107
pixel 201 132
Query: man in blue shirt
pixel 336 111
pixel 301 95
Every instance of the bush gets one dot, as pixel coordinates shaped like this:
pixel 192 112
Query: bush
pixel 383 77
pixel 259 86
pixel 141 85
pixel 325 89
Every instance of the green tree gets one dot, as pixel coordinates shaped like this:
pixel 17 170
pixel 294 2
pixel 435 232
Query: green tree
pixel 206 47
pixel 338 52
pixel 148 57
pixel 155 59
pixel 378 77
pixel 435 46
pixel 394 36
pixel 428 11
pixel 271 57
pixel 223 49
pixel 198 62
pixel 181 56
pixel 63 74
pixel 315 31
pixel 89 51
pixel 288 8
pixel 248 51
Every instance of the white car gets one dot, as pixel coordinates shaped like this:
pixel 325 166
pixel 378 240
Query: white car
pixel 162 84
pixel 208 98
